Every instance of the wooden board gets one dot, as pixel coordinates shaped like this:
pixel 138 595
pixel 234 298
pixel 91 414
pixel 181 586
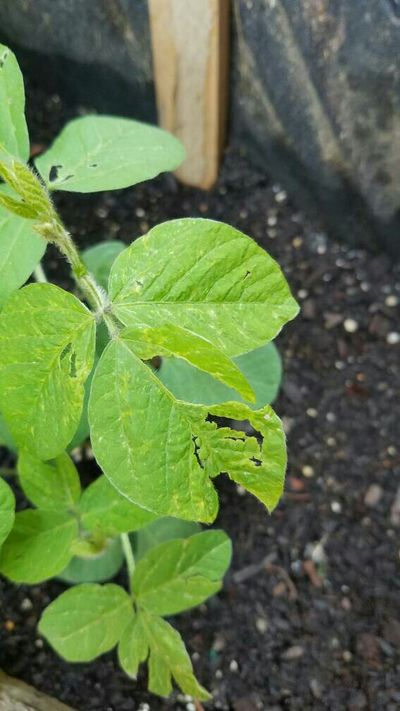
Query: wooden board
pixel 190 58
pixel 15 695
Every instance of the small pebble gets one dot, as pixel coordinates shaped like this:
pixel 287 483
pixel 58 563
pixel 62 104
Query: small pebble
pixel 261 624
pixel 336 507
pixel 373 495
pixel 347 656
pixel 312 412
pixel 297 242
pixel 316 689
pixel 218 674
pixel 190 706
pixel 240 490
pixel 39 643
pixel 391 300
pixel 9 625
pixel 345 603
pixel 350 325
pixel 139 212
pixel 302 293
pixel 234 666
pixel 307 471
pixel 294 652
pixel 272 220
pixel 393 338
pixel 26 604
pixel 331 417
pixel 281 196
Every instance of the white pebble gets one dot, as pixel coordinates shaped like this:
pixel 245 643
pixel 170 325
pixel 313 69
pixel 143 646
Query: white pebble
pixel 234 666
pixel 302 293
pixel 312 412
pixel 391 300
pixel 336 507
pixel 281 196
pixel 261 624
pixel 350 325
pixel 307 471
pixel 393 338
pixel 26 604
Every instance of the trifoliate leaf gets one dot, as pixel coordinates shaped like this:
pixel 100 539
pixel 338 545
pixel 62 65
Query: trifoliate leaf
pixel 162 530
pixel 86 621
pixel 47 339
pixel 149 634
pixel 204 276
pixel 95 153
pixel 13 130
pixel 147 442
pixel 97 568
pixel 49 485
pixel 39 546
pixel 262 368
pixel 21 249
pixel 172 340
pixel 181 573
pixel 100 258
pixel 104 510
pixel 7 510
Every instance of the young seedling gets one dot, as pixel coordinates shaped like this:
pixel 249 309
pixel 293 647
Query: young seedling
pixel 198 293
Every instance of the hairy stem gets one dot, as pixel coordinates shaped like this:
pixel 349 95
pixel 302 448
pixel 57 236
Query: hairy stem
pixel 128 553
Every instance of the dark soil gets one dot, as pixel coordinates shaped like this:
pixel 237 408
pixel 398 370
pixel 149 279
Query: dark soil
pixel 317 626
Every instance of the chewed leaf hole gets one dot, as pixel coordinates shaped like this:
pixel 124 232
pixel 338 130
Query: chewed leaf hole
pixel 94 165
pixel 53 173
pixel 3 58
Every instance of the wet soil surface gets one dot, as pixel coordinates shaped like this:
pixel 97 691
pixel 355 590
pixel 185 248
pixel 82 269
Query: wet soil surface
pixel 309 614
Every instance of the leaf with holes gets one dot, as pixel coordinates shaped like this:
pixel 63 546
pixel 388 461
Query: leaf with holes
pixel 204 276
pixel 21 249
pixel 182 573
pixel 86 621
pixel 49 485
pixel 7 510
pixel 13 131
pixel 262 368
pixel 151 636
pixel 47 340
pixel 95 153
pixel 104 510
pixel 172 340
pixel 39 546
pixel 160 452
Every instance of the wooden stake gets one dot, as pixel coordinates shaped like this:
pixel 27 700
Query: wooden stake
pixel 190 58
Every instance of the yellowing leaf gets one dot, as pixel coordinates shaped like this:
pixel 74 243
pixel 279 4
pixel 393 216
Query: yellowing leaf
pixel 160 452
pixel 86 620
pixel 39 546
pixel 49 485
pixel 204 276
pixel 47 339
pixel 182 573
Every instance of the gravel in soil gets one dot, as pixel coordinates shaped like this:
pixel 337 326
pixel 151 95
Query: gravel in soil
pixel 309 614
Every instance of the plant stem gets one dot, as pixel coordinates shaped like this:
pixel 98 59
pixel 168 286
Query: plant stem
pixel 128 553
pixel 39 274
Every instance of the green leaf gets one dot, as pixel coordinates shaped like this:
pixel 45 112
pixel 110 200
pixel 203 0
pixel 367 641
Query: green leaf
pixel 95 153
pixel 21 249
pixel 143 441
pixel 35 201
pixel 6 439
pixel 13 131
pixel 104 510
pixel 258 469
pixel 172 340
pixel 86 621
pixel 83 430
pixel 204 276
pixel 168 657
pixel 160 531
pixel 38 547
pixel 100 258
pixel 181 573
pixel 47 339
pixel 147 442
pixel 49 485
pixel 7 510
pixel 96 569
pixel 262 368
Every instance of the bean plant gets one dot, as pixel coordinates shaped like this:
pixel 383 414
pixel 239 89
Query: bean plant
pixel 79 364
